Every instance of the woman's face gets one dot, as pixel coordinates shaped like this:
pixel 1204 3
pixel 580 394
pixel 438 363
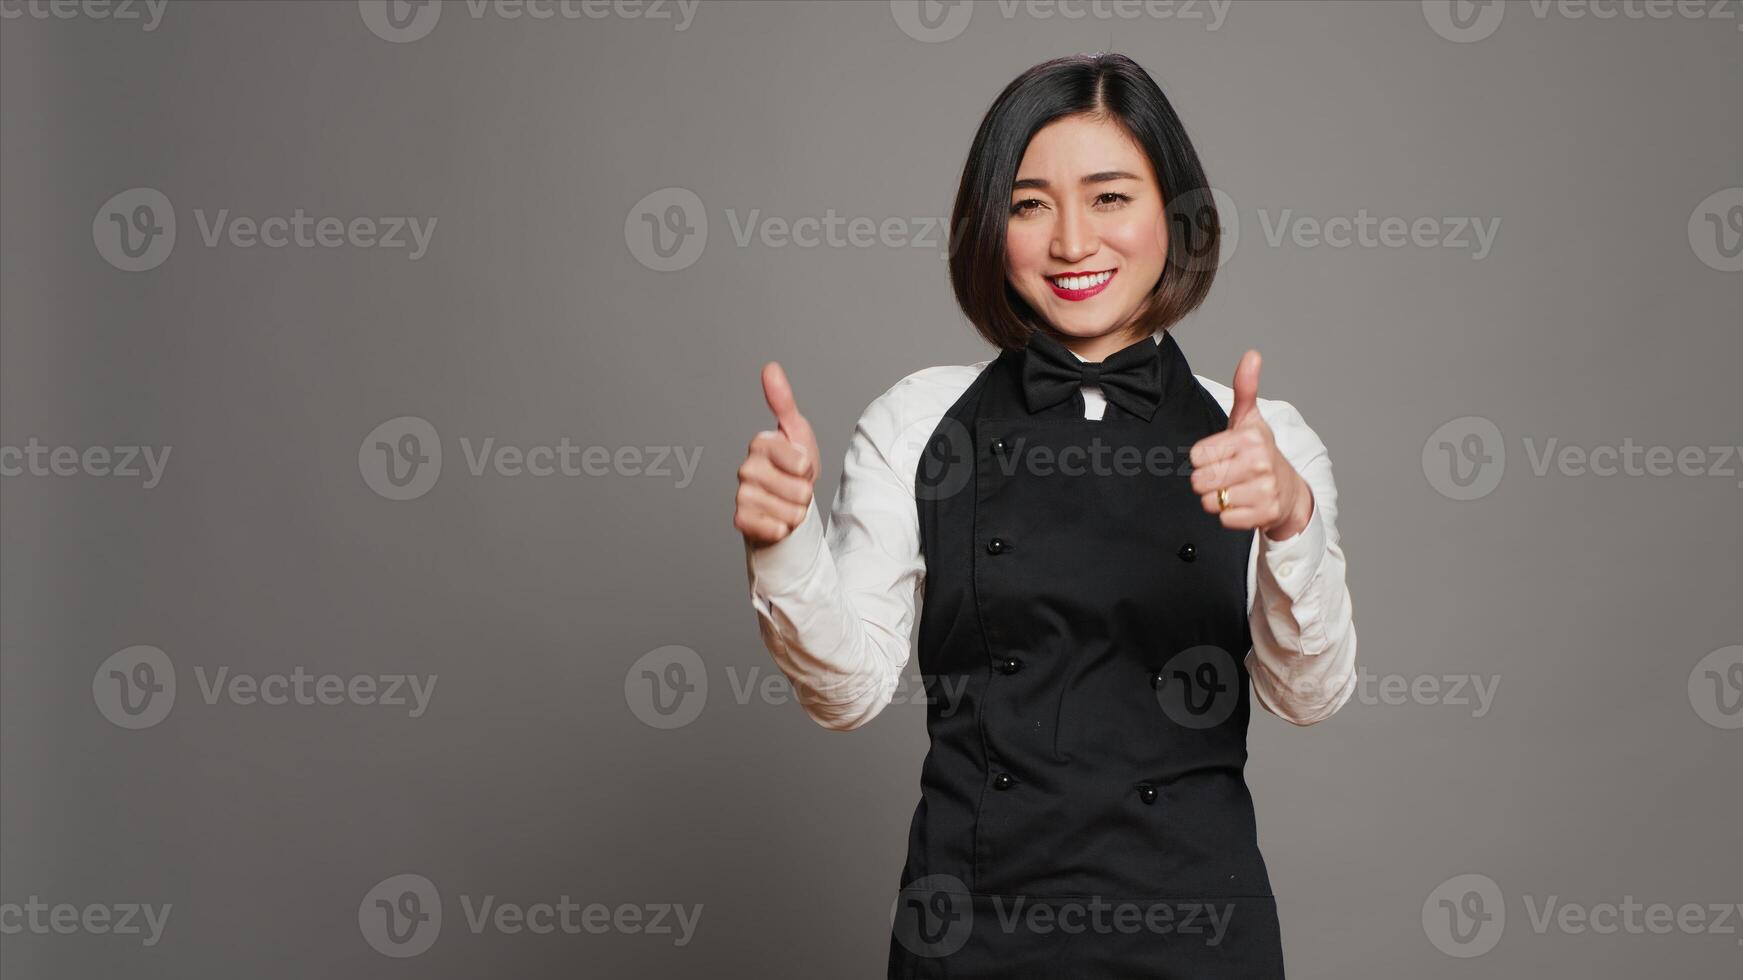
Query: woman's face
pixel 1086 239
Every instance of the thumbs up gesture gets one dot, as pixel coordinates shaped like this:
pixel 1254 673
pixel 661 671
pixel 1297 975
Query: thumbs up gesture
pixel 1264 491
pixel 779 473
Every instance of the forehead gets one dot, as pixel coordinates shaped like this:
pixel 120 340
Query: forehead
pixel 1079 145
pixel 1072 147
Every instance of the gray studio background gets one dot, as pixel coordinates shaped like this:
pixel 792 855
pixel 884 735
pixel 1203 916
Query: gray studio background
pixel 1597 609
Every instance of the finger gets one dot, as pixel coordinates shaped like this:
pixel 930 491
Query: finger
pixel 1220 446
pixel 778 392
pixel 1242 518
pixel 785 454
pixel 1246 404
pixel 1260 494
pixel 755 500
pixel 759 472
pixel 1227 472
pixel 761 529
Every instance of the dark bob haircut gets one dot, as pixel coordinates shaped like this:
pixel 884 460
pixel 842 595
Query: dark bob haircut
pixel 1109 86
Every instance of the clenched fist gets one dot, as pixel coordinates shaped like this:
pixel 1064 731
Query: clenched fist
pixel 776 479
pixel 1264 490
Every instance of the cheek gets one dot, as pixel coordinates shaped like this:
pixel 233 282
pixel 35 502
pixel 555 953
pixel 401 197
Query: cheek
pixel 1025 248
pixel 1143 241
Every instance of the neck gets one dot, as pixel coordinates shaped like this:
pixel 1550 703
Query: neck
pixel 1098 348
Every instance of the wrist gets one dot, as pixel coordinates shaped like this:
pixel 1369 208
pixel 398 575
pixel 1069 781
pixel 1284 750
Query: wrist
pixel 1300 513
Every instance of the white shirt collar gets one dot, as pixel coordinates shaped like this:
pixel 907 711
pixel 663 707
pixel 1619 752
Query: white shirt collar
pixel 1156 337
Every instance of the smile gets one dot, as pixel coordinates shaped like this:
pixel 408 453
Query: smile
pixel 1077 286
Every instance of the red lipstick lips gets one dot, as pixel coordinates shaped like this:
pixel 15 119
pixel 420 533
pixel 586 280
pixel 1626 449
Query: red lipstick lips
pixel 1078 295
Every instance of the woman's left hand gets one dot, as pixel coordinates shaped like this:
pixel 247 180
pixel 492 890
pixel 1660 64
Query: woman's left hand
pixel 1264 490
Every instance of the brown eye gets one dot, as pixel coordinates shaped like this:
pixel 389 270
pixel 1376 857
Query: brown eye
pixel 1112 197
pixel 1021 207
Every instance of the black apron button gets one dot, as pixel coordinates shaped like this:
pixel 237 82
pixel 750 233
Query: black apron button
pixel 1156 679
pixel 1146 792
pixel 1188 552
pixel 997 546
pixel 1003 781
pixel 1009 665
pixel 1000 445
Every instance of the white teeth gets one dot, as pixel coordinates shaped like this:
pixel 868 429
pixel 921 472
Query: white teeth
pixel 1083 282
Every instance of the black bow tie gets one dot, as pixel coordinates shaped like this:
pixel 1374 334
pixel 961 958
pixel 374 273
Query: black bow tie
pixel 1130 378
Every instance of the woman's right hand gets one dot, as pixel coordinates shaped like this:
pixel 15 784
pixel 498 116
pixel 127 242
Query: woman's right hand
pixel 777 477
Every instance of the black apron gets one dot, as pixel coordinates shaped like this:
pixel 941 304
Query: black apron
pixel 1083 630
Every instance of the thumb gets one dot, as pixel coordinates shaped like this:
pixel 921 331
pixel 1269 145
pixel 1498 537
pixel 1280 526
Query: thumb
pixel 1246 389
pixel 778 392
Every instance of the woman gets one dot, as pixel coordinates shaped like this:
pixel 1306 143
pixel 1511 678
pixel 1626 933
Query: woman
pixel 1116 556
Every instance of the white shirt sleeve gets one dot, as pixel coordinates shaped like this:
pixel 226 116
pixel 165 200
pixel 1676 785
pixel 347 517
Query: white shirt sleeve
pixel 1303 661
pixel 836 604
pixel 836 601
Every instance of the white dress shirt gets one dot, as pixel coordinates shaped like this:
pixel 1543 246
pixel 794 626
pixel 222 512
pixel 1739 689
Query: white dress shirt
pixel 836 605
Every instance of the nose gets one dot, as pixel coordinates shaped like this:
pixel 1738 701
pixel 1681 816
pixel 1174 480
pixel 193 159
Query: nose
pixel 1074 237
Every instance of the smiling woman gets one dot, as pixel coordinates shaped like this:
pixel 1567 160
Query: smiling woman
pixel 1093 632
pixel 1072 164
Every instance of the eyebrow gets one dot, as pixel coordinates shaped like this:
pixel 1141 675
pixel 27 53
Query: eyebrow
pixel 1036 183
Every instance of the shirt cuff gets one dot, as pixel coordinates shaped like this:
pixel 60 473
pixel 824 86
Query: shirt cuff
pixel 781 568
pixel 1295 560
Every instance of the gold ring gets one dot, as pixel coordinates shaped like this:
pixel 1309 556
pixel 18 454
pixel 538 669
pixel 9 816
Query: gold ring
pixel 1222 499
